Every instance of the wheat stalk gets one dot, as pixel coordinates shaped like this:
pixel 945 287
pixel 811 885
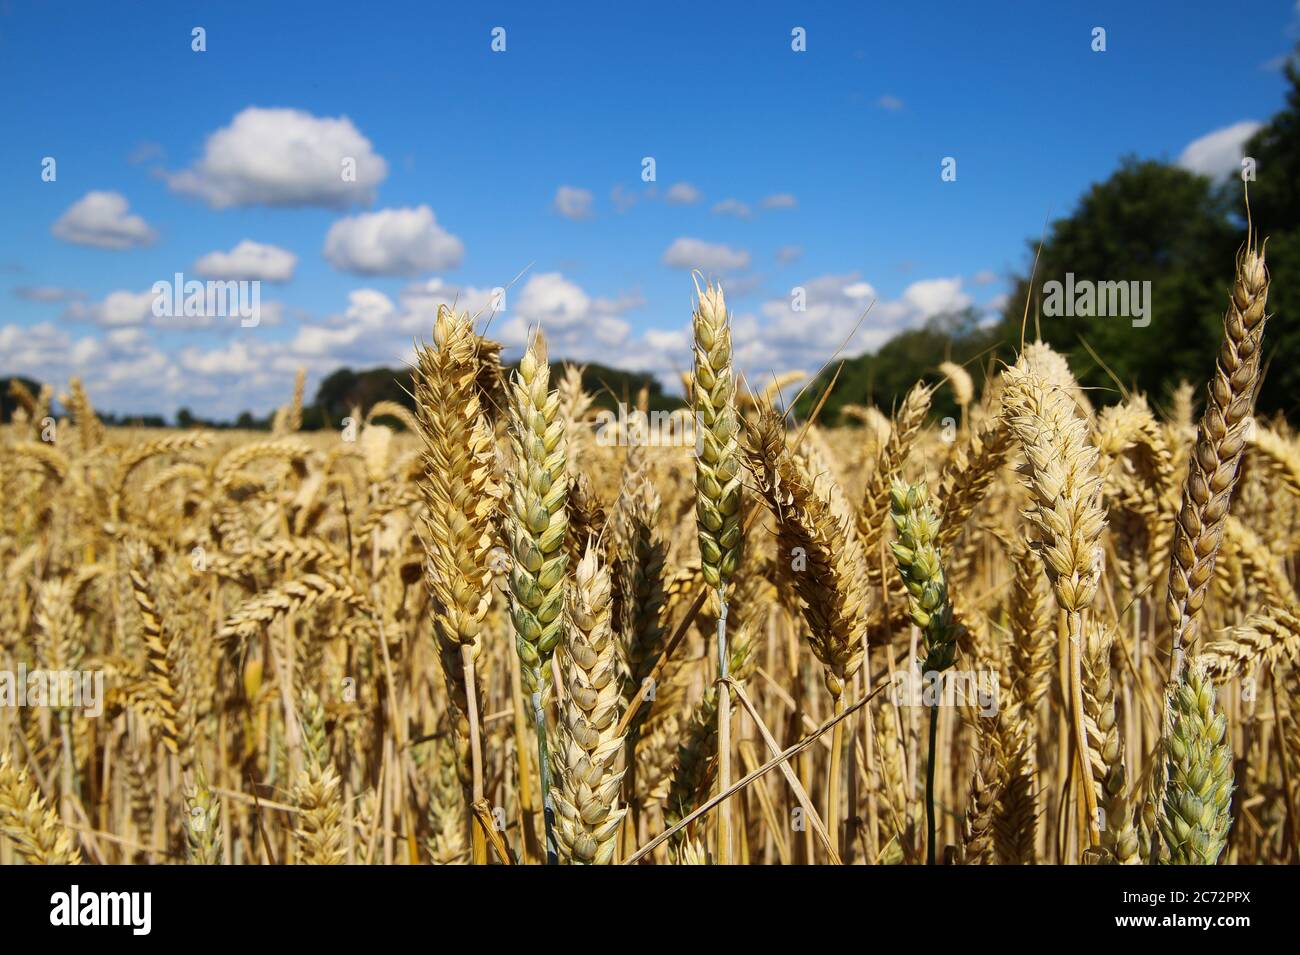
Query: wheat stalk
pixel 829 578
pixel 696 766
pixel 575 402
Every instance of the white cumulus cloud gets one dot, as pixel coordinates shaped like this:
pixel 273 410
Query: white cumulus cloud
pixel 250 261
pixel 237 358
pixel 103 220
pixel 194 305
pixel 421 300
pixel 935 296
pixel 284 157
pixel 553 300
pixel 1218 153
pixel 115 309
pixel 579 326
pixel 686 253
pixel 804 328
pixel 392 242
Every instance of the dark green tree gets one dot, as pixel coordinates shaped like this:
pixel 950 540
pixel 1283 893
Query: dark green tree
pixel 1275 212
pixel 1149 222
pixel 884 377
pixel 9 403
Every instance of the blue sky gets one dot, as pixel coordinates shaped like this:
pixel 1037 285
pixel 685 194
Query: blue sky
pixel 773 169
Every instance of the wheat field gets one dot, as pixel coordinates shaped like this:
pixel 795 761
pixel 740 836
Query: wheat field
pixel 1060 630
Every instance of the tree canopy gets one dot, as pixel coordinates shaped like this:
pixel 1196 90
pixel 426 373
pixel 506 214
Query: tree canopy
pixel 1148 222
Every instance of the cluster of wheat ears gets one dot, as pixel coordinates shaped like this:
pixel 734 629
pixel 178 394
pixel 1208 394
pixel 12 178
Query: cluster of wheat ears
pixel 480 634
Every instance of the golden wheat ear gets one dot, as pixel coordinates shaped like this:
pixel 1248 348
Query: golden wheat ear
pixel 1119 836
pixel 29 823
pixel 1060 472
pixel 1214 461
pixel 458 453
pixel 588 767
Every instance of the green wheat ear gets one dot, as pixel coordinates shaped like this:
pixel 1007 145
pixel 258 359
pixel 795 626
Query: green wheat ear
pixel 537 516
pixel 917 554
pixel 1198 797
pixel 717 466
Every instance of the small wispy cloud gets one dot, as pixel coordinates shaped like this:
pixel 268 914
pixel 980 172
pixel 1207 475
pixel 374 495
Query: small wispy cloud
pixel 573 203
pixel 682 194
pixel 891 103
pixel 47 293
pixel 732 207
pixel 146 152
pixel 621 199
